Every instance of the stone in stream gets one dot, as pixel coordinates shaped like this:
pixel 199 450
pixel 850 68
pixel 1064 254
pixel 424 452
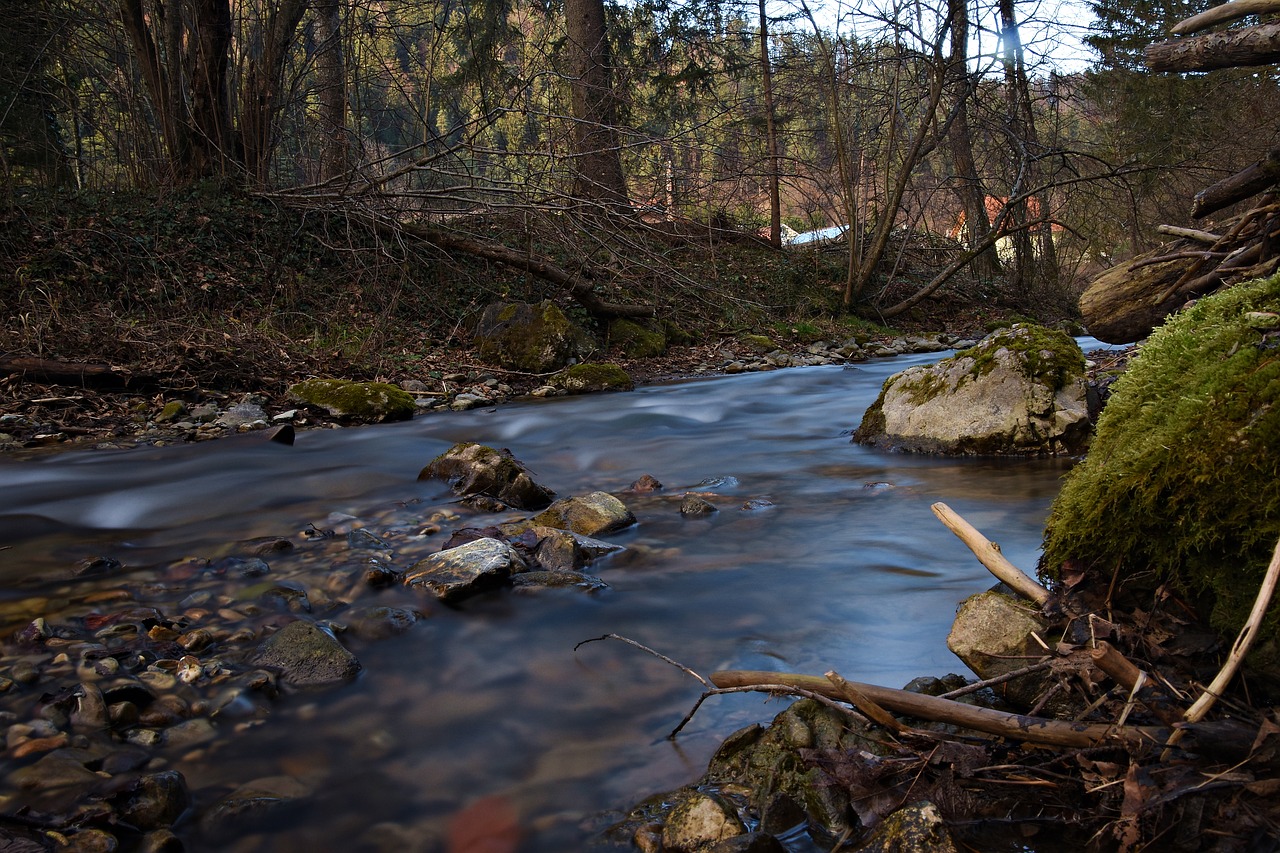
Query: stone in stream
pixel 588 515
pixel 475 469
pixel 154 800
pixel 692 506
pixel 992 634
pixel 306 655
pixel 698 821
pixel 1021 390
pixel 362 402
pixel 252 805
pixel 466 570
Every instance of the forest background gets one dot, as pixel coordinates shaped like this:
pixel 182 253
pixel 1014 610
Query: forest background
pixel 191 186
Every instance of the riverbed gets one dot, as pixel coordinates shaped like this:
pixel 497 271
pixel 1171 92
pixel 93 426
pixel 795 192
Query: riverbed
pixel 823 555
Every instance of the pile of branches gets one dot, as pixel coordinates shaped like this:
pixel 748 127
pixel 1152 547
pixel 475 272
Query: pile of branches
pixel 1154 754
pixel 1126 302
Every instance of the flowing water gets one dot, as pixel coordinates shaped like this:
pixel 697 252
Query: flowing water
pixel 846 569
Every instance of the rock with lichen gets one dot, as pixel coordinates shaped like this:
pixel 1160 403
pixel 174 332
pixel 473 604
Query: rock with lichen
pixel 365 402
pixel 1020 391
pixel 637 340
pixel 593 514
pixel 530 338
pixel 591 377
pixel 1180 486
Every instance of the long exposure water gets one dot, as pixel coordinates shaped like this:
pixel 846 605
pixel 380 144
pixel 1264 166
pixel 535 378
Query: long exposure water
pixel 847 570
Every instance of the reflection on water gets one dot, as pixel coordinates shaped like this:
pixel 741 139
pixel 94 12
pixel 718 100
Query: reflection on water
pixel 846 569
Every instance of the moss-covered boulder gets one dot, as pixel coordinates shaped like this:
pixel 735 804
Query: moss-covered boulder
pixel 591 377
pixel 634 340
pixel 532 338
pixel 366 402
pixel 476 469
pixel 1020 391
pixel 1182 482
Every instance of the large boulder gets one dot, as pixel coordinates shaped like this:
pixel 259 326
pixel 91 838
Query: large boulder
pixel 531 338
pixel 476 469
pixel 1180 487
pixel 1021 391
pixel 366 402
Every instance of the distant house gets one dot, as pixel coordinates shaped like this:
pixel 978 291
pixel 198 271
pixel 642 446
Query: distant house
pixel 821 237
pixel 995 206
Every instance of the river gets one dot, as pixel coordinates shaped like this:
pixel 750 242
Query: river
pixel 846 568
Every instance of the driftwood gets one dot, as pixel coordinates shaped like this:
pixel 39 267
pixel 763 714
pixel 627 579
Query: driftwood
pixel 1248 46
pixel 1223 14
pixel 988 553
pixel 1013 726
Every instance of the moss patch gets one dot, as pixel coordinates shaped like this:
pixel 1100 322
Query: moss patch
pixel 362 401
pixel 583 378
pixel 532 338
pixel 1044 355
pixel 1183 479
pixel 635 341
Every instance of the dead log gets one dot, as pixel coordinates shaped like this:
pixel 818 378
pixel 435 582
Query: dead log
pixel 1232 11
pixel 81 374
pixel 1247 46
pixel 1247 183
pixel 1013 726
pixel 1124 304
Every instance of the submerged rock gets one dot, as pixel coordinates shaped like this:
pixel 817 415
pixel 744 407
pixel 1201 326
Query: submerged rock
pixel 307 656
pixel 476 469
pixel 1021 390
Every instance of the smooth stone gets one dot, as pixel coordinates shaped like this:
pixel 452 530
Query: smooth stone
pixel 307 656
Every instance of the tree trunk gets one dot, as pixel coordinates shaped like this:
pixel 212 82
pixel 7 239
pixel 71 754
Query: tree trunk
pixel 969 190
pixel 209 47
pixel 597 151
pixel 331 79
pixel 260 95
pixel 771 133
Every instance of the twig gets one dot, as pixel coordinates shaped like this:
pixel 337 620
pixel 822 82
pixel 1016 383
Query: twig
pixel 773 689
pixel 1189 233
pixel 1013 726
pixel 645 648
pixel 864 703
pixel 999 679
pixel 988 553
pixel 1243 643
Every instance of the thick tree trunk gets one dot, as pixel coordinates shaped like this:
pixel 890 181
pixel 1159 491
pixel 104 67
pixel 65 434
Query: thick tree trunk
pixel 597 150
pixel 969 189
pixel 332 81
pixel 1249 46
pixel 261 93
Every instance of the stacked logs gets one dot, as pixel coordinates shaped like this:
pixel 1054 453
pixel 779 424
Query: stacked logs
pixel 1127 301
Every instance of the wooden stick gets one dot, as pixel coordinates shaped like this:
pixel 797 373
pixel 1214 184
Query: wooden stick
pixel 1244 641
pixel 858 698
pixel 1125 673
pixel 988 553
pixel 1233 11
pixel 1189 233
pixel 1014 726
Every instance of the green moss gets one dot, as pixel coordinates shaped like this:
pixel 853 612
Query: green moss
pixel 1043 355
pixel 533 338
pixel 636 341
pixel 362 401
pixel 592 376
pixel 759 343
pixel 1182 483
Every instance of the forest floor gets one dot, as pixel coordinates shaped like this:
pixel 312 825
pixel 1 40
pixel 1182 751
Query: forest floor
pixel 118 305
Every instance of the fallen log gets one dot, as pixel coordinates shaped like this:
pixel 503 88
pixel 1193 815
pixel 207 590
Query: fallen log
pixel 1013 726
pixel 1225 13
pixel 1247 46
pixel 82 374
pixel 1127 301
pixel 1246 183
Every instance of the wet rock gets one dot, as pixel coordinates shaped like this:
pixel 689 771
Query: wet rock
pixel 154 800
pixel 380 622
pixel 917 828
pixel 190 733
pixel 364 402
pixel 752 842
pixel 693 506
pixel 700 821
pixel 591 378
pixel 647 484
pixel 61 770
pixel 96 566
pixel 160 841
pixel 992 635
pixel 466 570
pixel 92 841
pixel 474 469
pixel 589 515
pixel 1021 390
pixel 243 416
pixel 252 805
pixel 551 548
pixel 307 656
pixel 553 580
pixel 529 338
pixel 90 711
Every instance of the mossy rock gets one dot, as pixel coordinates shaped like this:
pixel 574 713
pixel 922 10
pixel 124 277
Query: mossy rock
pixel 592 376
pixel 758 343
pixel 636 341
pixel 367 402
pixel 532 338
pixel 1182 483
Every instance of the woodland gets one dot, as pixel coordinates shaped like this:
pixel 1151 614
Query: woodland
pixel 333 173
